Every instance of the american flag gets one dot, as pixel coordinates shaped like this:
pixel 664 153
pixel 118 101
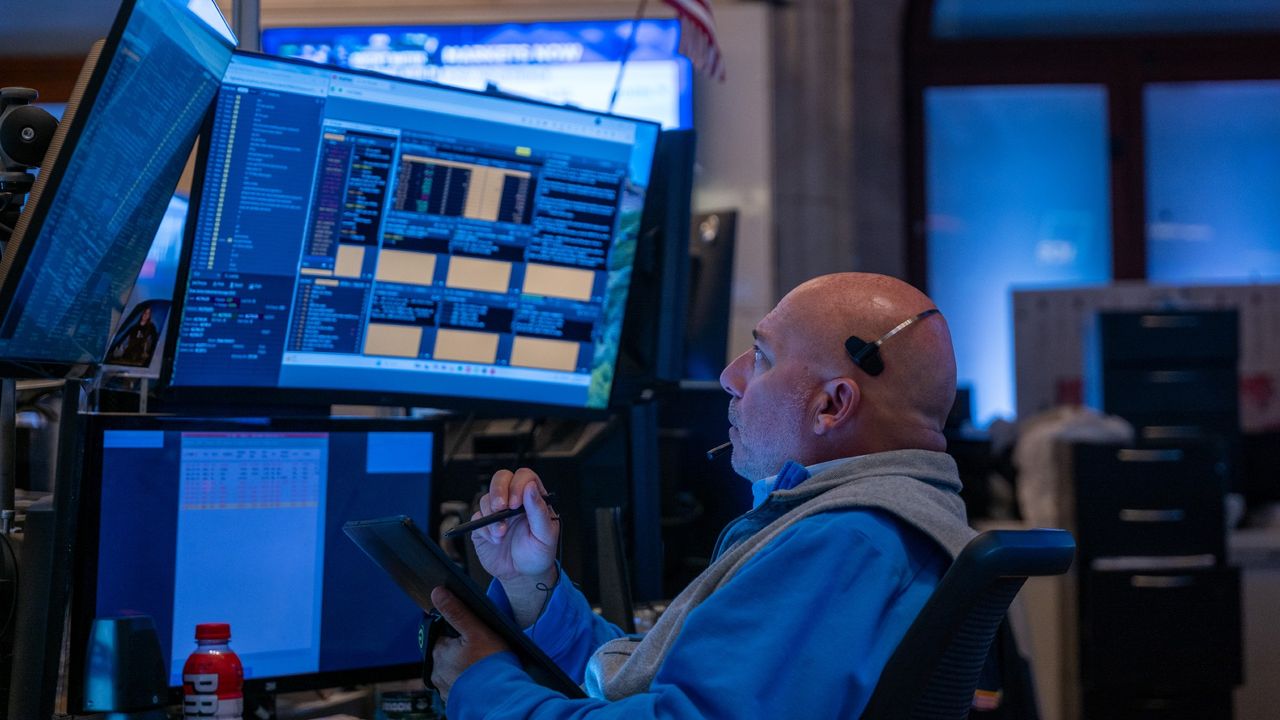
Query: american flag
pixel 698 36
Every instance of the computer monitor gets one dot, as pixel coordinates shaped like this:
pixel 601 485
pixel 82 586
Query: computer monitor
pixel 565 62
pixel 653 336
pixel 370 239
pixel 711 244
pixel 190 521
pixel 106 181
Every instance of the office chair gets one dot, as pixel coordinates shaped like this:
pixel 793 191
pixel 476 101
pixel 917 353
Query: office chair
pixel 934 671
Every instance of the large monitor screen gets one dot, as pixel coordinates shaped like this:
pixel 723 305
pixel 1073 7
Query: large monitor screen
pixel 107 180
pixel 193 521
pixel 358 234
pixel 575 63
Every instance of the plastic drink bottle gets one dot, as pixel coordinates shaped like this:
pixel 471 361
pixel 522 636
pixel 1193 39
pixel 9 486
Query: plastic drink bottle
pixel 212 678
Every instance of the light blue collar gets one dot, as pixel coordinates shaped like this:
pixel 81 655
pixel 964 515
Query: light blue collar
pixel 791 475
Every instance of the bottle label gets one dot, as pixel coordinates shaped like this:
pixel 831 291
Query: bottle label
pixel 212 687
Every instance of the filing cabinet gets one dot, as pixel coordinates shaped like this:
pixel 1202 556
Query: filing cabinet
pixel 1150 501
pixel 1161 630
pixel 1159 625
pixel 1191 337
pixel 1168 369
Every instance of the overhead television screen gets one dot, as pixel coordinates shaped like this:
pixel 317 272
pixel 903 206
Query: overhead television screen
pixel 574 63
pixel 361 235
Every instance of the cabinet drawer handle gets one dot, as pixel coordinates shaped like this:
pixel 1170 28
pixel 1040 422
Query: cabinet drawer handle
pixel 1172 376
pixel 1134 515
pixel 1173 432
pixel 1153 563
pixel 1169 321
pixel 1135 455
pixel 1160 582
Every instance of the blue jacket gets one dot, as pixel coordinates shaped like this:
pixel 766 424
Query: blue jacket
pixel 803 630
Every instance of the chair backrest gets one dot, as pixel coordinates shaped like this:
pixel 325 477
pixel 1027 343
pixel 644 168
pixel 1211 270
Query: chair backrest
pixel 934 671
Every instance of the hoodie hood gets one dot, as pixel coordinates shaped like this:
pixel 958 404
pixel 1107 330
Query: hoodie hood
pixel 921 487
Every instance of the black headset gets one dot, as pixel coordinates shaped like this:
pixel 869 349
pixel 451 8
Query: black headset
pixel 866 355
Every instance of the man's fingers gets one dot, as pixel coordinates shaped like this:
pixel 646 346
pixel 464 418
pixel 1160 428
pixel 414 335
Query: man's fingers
pixel 443 655
pixel 500 489
pixel 481 534
pixel 541 523
pixel 489 532
pixel 522 479
pixel 456 614
pixel 541 488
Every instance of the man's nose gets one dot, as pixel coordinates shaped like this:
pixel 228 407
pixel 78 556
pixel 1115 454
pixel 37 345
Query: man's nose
pixel 732 378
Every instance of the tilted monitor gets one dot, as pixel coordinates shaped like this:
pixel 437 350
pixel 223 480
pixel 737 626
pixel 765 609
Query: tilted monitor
pixel 372 237
pixel 197 520
pixel 106 182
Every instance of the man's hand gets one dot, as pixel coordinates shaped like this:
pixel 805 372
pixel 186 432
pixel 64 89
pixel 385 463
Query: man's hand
pixel 452 656
pixel 520 552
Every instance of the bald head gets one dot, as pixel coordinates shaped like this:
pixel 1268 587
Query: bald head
pixel 823 404
pixel 917 388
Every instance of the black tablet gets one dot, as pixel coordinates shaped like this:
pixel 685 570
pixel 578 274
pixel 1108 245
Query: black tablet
pixel 418 565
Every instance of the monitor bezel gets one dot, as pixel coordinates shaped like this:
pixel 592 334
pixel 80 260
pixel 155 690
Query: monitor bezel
pixel 199 396
pixel 31 223
pixel 85 564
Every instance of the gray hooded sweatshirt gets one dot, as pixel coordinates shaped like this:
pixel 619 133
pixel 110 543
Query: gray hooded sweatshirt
pixel 919 487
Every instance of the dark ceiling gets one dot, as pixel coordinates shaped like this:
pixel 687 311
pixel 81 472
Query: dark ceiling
pixel 33 28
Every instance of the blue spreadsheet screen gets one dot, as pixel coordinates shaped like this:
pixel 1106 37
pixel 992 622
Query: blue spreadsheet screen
pixel 363 233
pixel 113 192
pixel 246 528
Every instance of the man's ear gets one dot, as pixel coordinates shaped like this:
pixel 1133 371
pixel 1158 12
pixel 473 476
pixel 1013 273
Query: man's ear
pixel 838 403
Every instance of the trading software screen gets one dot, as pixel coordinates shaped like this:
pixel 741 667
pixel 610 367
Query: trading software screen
pixel 361 233
pixel 245 527
pixel 77 251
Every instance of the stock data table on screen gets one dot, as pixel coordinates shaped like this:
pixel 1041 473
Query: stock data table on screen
pixel 419 239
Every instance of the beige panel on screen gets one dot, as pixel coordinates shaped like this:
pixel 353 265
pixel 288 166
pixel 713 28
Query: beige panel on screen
pixel 479 274
pixel 543 353
pixel 392 340
pixel 484 197
pixel 478 193
pixel 466 346
pixel 554 281
pixel 409 268
pixel 350 261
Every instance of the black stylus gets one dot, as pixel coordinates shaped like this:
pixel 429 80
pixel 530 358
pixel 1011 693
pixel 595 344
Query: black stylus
pixel 499 516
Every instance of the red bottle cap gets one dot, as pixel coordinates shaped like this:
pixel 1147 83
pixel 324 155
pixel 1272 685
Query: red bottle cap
pixel 213 631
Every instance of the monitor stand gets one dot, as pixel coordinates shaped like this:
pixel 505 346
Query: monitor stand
pixel 45 559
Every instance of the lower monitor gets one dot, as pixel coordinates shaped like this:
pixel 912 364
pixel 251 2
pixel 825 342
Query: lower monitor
pixel 193 521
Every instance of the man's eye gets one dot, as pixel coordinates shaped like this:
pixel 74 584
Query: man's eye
pixel 757 356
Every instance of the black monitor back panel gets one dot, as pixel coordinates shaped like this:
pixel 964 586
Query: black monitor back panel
pixel 711 243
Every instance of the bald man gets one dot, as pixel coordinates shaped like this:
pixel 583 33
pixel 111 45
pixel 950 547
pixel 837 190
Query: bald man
pixel 836 416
